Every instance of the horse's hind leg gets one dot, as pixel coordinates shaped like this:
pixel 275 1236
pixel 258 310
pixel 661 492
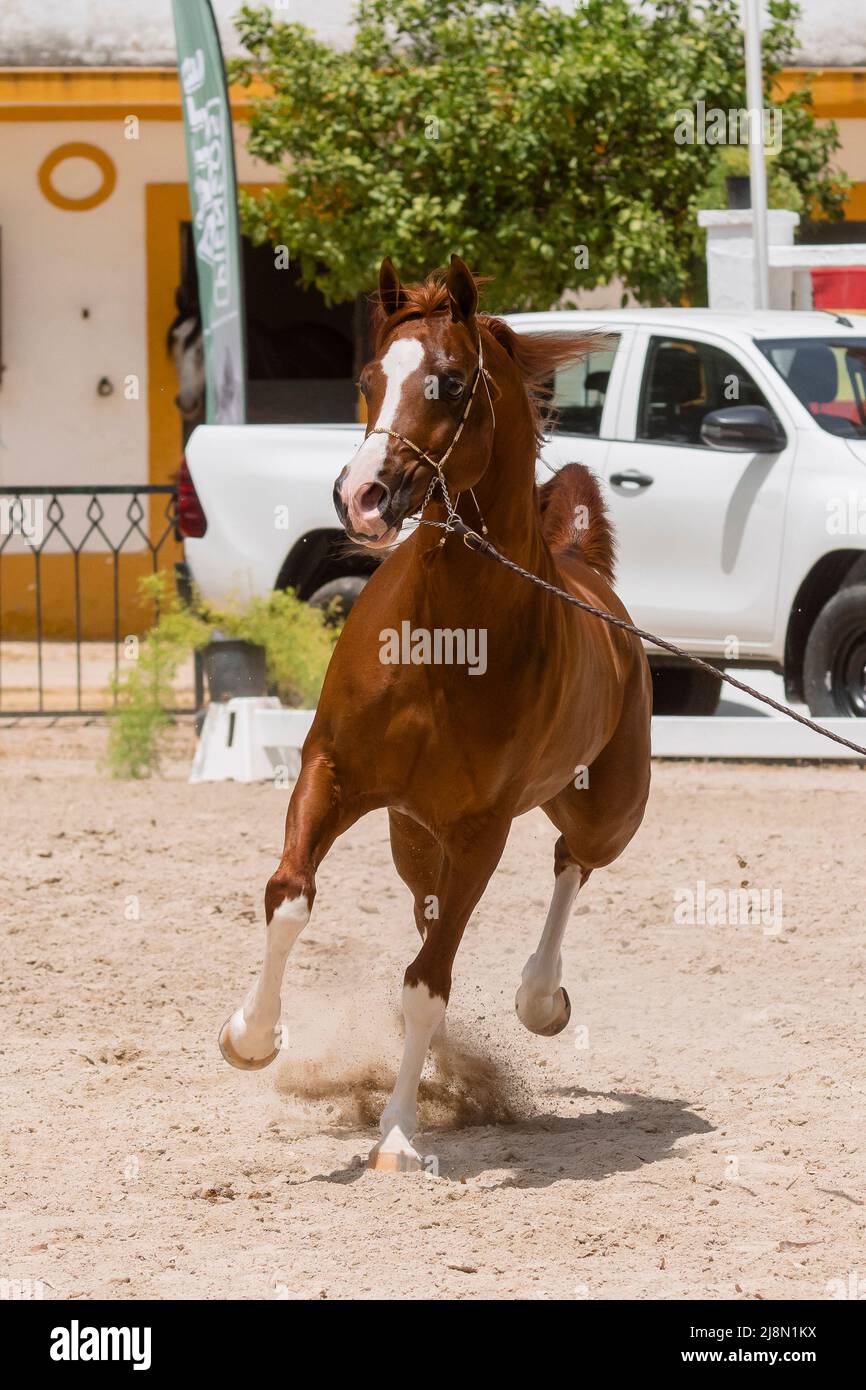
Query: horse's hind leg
pixel 316 816
pixel 467 860
pixel 596 821
pixel 542 1004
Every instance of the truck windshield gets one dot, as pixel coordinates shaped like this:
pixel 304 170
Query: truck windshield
pixel 828 377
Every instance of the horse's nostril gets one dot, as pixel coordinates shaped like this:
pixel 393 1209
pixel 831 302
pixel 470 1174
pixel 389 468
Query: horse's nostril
pixel 372 497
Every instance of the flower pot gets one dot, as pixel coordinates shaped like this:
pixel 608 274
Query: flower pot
pixel 233 667
pixel 739 190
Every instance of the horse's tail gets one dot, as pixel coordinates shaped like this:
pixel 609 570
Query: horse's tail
pixel 574 517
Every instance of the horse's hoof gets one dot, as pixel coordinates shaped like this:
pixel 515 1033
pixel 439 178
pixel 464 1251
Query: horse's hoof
pixel 560 1019
pixel 394 1154
pixel 234 1058
pixel 382 1162
pixel 561 1015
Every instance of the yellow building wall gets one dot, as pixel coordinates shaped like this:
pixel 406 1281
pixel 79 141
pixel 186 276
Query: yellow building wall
pixel 88 291
pixel 96 613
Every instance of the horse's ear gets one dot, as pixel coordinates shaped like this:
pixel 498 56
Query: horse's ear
pixel 462 290
pixel 392 296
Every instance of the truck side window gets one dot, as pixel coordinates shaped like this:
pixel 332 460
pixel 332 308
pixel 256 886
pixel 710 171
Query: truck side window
pixel 683 381
pixel 579 392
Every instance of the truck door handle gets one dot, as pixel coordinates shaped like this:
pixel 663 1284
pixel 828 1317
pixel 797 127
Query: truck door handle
pixel 632 480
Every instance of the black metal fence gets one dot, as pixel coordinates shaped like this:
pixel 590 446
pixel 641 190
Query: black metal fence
pixel 36 522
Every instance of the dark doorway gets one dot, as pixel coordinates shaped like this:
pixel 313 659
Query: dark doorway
pixel 301 354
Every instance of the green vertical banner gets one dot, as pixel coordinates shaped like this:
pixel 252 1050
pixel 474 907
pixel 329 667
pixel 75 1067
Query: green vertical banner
pixel 213 197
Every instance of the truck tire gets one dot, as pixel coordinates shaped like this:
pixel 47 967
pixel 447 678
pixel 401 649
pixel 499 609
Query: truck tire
pixel 684 690
pixel 344 590
pixel 834 665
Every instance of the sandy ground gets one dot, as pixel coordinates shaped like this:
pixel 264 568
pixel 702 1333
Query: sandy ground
pixel 697 1132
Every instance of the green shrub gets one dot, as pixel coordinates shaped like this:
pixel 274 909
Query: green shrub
pixel 782 191
pixel 297 639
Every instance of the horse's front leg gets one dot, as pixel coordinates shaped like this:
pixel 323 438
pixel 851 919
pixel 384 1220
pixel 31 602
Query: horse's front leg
pixel 316 816
pixel 467 864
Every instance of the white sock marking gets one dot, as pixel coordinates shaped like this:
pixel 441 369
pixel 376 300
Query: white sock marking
pixel 542 973
pixel 422 1014
pixel 252 1027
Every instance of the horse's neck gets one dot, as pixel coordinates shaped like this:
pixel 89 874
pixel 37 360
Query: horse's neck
pixel 506 497
pixel 504 501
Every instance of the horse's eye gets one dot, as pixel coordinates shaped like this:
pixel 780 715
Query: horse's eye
pixel 452 387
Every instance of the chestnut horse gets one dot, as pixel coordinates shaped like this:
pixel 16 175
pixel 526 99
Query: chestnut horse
pixel 556 715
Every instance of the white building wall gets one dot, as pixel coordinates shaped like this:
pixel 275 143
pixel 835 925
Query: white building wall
pixel 832 33
pixel 54 427
pixel 130 32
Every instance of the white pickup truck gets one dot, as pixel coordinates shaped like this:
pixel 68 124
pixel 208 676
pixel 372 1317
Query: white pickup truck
pixel 732 449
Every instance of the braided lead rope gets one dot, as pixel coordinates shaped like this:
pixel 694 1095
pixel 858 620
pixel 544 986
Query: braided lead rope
pixel 484 547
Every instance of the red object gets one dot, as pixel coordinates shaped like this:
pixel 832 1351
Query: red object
pixel 191 519
pixel 839 289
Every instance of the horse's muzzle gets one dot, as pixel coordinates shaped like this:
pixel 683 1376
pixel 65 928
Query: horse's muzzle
pixel 367 512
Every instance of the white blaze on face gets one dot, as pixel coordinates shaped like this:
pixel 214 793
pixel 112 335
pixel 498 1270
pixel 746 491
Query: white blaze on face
pixel 400 361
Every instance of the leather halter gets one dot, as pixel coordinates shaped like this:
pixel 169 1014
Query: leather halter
pixel 438 479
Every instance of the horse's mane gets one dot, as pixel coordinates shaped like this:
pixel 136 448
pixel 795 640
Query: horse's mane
pixel 536 355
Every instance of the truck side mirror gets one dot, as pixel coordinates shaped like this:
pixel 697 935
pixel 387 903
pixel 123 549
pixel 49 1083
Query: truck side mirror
pixel 743 429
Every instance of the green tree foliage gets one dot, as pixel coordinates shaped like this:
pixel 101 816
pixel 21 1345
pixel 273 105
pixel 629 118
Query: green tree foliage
pixel 512 132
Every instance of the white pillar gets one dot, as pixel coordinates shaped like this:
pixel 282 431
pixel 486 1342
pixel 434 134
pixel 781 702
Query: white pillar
pixel 730 256
pixel 757 165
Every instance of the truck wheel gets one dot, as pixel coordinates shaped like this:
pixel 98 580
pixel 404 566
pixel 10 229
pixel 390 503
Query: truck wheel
pixel 684 690
pixel 344 591
pixel 834 666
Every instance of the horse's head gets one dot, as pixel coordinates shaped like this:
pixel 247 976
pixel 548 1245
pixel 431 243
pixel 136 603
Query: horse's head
pixel 186 345
pixel 425 385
